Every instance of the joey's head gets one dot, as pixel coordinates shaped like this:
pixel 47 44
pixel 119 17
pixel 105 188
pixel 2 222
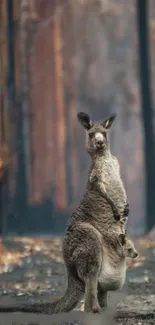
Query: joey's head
pixel 96 133
pixel 127 247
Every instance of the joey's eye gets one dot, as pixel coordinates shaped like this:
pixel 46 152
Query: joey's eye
pixel 91 135
pixel 129 250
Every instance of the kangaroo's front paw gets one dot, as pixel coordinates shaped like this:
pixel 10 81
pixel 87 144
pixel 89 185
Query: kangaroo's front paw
pixel 126 210
pixel 117 216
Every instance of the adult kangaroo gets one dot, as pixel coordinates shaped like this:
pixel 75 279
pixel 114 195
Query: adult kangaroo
pixel 84 238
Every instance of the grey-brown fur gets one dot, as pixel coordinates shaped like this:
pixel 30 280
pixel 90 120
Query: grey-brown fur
pixel 83 242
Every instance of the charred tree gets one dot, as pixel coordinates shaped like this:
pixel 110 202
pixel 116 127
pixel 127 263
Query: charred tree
pixel 23 176
pixel 146 109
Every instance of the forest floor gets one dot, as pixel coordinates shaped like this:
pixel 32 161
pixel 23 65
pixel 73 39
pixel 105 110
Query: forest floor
pixel 32 269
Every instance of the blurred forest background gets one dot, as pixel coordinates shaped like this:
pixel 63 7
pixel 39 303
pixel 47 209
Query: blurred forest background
pixel 57 58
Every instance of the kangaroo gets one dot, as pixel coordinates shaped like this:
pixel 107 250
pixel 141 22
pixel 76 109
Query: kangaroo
pixel 83 242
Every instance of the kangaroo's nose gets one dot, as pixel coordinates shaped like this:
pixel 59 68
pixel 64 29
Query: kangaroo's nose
pixel 100 142
pixel 135 255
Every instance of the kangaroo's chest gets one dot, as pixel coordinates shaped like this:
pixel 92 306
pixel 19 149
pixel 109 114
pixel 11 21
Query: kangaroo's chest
pixel 112 277
pixel 111 178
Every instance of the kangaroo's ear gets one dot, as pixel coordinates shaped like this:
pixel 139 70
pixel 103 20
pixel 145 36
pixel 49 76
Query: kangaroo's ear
pixel 85 120
pixel 109 121
pixel 121 239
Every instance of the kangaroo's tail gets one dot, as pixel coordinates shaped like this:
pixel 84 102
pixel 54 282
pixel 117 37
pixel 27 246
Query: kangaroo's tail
pixel 69 301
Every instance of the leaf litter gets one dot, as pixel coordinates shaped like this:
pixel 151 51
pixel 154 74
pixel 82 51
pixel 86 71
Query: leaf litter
pixel 36 260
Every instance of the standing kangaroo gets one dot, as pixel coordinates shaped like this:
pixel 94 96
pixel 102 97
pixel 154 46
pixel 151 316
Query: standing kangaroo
pixel 83 252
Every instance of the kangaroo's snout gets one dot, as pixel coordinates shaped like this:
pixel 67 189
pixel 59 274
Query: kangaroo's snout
pixel 99 140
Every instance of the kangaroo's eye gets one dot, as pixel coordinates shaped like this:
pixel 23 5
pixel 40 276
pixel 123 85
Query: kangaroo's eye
pixel 104 134
pixel 91 135
pixel 129 250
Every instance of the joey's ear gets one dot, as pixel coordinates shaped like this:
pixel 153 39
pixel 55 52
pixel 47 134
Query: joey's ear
pixel 85 120
pixel 124 220
pixel 121 239
pixel 109 121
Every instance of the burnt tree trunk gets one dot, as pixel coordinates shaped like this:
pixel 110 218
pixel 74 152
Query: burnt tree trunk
pixel 147 111
pixel 23 176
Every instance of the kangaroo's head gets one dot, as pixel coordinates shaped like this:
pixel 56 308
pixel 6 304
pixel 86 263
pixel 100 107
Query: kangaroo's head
pixel 127 246
pixel 96 133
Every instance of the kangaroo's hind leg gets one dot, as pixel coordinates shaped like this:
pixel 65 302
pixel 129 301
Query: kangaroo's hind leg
pixel 102 297
pixel 91 298
pixel 88 265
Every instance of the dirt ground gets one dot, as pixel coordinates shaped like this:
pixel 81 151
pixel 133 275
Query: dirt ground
pixel 32 269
